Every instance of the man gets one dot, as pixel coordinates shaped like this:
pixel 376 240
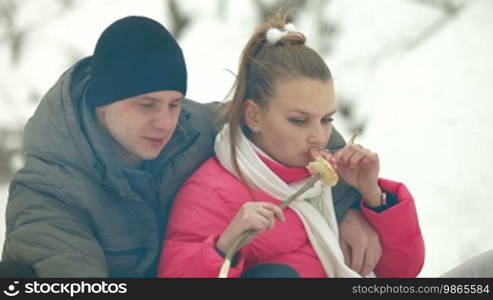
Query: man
pixel 107 149
pixel 478 266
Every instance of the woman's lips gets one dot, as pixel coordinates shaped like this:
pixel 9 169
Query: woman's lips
pixel 312 153
pixel 309 155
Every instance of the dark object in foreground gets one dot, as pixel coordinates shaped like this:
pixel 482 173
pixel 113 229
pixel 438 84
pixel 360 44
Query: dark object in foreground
pixel 13 269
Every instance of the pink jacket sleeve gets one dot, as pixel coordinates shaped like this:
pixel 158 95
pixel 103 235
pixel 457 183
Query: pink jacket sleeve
pixel 197 219
pixel 398 228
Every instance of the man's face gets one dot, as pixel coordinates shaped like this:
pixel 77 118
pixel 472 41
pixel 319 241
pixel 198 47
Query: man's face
pixel 142 125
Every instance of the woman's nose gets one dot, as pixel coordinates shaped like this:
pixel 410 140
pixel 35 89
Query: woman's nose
pixel 319 136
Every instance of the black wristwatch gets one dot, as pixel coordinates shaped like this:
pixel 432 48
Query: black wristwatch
pixel 386 200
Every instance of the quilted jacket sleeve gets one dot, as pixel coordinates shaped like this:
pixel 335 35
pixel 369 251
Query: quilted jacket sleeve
pixel 52 237
pixel 197 219
pixel 398 228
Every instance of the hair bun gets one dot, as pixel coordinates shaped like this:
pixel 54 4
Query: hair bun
pixel 294 37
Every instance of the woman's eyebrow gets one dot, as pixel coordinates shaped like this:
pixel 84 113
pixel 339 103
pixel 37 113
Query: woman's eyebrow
pixel 300 111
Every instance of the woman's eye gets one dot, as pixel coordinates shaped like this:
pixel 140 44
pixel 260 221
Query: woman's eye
pixel 298 121
pixel 327 120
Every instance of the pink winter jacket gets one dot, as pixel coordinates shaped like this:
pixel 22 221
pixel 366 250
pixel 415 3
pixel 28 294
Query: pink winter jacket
pixel 211 197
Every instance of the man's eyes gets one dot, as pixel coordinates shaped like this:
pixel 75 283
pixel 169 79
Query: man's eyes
pixel 146 104
pixel 175 104
pixel 152 104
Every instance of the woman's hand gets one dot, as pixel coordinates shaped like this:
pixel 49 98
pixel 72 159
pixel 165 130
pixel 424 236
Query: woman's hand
pixel 358 167
pixel 259 216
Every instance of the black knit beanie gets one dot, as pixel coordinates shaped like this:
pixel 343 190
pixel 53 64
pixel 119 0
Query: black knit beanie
pixel 133 56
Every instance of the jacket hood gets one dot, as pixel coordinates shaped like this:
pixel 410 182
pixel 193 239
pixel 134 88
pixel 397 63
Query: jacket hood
pixel 54 133
pixel 63 131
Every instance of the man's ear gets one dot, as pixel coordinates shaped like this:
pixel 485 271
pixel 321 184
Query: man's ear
pixel 251 115
pixel 100 112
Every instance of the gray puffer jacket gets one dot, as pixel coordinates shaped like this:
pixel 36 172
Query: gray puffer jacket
pixel 74 210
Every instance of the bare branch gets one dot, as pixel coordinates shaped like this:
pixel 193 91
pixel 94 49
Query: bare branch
pixel 426 33
pixel 265 10
pixel 16 37
pixel 179 20
pixel 448 7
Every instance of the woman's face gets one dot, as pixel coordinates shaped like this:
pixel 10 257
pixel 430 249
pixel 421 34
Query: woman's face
pixel 298 117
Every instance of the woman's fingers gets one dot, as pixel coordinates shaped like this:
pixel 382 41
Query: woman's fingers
pixel 256 222
pixel 341 156
pixel 371 158
pixel 275 209
pixel 349 156
pixel 261 216
pixel 325 153
pixel 267 215
pixel 353 155
pixel 257 216
pixel 361 156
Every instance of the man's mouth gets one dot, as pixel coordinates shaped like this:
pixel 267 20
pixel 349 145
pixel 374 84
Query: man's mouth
pixel 155 141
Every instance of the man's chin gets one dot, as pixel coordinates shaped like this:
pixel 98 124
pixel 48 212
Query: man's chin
pixel 150 155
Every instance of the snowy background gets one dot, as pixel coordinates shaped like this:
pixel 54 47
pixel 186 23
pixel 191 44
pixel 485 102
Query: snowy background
pixel 421 81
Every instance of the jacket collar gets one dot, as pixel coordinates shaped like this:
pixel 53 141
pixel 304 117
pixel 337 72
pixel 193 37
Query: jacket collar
pixel 287 174
pixel 183 137
pixel 109 169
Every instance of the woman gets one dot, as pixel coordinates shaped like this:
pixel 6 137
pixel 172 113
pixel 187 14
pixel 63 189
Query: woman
pixel 280 118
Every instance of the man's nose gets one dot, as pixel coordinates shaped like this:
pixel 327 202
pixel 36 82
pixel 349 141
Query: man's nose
pixel 164 120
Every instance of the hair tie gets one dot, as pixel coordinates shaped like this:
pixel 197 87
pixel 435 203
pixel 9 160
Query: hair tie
pixel 289 27
pixel 274 35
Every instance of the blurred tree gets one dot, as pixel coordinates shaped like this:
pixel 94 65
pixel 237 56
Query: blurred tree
pixel 10 33
pixel 450 9
pixel 10 153
pixel 179 20
pixel 314 10
pixel 14 36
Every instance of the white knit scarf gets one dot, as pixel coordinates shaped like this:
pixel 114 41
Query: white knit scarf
pixel 315 208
